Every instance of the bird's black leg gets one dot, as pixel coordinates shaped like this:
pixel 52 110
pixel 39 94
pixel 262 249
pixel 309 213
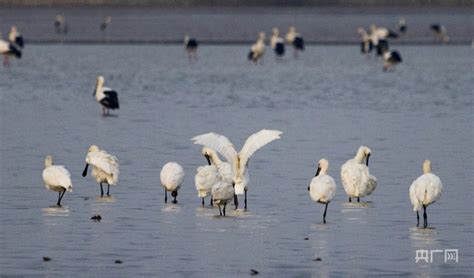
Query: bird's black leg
pixel 350 200
pixel 220 212
pixel 108 188
pixel 101 190
pixel 325 210
pixel 417 219
pixel 224 209
pixel 211 202
pixel 202 202
pixel 358 199
pixel 425 217
pixel 245 200
pixel 174 200
pixel 236 201
pixel 166 197
pixel 60 197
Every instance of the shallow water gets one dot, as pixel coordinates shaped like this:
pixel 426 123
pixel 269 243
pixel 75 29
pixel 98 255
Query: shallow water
pixel 327 103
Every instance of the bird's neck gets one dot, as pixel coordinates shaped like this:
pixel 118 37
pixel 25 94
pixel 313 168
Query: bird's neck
pixel 99 91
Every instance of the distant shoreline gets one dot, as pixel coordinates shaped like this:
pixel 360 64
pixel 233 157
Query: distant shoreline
pixel 228 3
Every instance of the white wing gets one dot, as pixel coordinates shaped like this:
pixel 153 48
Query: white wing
pixel 205 178
pixel 104 161
pixel 414 201
pixel 255 142
pixel 219 143
pixel 57 175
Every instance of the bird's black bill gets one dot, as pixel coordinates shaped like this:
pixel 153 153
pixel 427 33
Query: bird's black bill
pixel 84 173
pixel 367 161
pixel 317 172
pixel 208 159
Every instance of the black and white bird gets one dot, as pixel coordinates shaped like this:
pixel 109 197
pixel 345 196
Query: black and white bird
pixel 402 26
pixel 15 37
pixel 440 32
pixel 107 97
pixel 382 32
pixel 295 38
pixel 8 49
pixel 60 24
pixel 381 46
pixel 191 46
pixel 105 23
pixel 277 43
pixel 391 59
pixel 257 49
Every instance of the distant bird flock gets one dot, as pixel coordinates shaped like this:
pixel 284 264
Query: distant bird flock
pixel 224 180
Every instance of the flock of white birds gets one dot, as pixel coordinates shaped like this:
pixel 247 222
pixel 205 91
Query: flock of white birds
pixel 222 180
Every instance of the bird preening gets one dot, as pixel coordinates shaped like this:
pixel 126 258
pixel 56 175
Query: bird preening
pixel 105 168
pixel 322 188
pixel 355 176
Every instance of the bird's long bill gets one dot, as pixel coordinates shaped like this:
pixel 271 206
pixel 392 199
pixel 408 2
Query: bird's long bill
pixel 317 172
pixel 208 159
pixel 84 173
pixel 367 161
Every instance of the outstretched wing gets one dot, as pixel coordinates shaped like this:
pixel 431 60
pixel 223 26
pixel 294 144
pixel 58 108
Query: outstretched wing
pixel 219 143
pixel 255 142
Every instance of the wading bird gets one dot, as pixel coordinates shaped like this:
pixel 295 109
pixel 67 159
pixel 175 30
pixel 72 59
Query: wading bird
pixel 257 49
pixel 277 43
pixel 239 161
pixel 15 37
pixel 191 46
pixel 171 176
pixel 105 23
pixel 107 97
pixel 294 38
pixel 424 191
pixel 8 49
pixel 105 168
pixel 60 24
pixel 56 178
pixel 440 32
pixel 391 58
pixel 355 176
pixel 205 178
pixel 222 193
pixel 323 187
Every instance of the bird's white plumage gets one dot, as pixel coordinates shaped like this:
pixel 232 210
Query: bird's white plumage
pixel 239 160
pixel 57 178
pixel 322 189
pixel 105 166
pixel 172 176
pixel 425 190
pixel 205 178
pixel 222 192
pixel 355 176
pixel 4 46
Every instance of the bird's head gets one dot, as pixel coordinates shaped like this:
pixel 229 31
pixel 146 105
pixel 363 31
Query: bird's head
pixel 292 29
pixel 13 28
pixel 261 35
pixel 93 148
pixel 323 166
pixel 48 161
pixel 427 166
pixel 363 153
pixel 275 31
pixel 208 154
pixel 100 80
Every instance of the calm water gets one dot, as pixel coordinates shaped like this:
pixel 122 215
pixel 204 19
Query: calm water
pixel 327 103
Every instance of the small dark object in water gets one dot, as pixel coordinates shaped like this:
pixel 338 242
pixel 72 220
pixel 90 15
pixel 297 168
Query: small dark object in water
pixel 317 260
pixel 306 238
pixel 86 198
pixel 118 262
pixel 96 218
pixel 253 272
pixel 46 259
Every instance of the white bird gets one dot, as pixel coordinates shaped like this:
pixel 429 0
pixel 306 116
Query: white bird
pixel 107 97
pixel 105 168
pixel 277 43
pixel 205 178
pixel 424 191
pixel 295 38
pixel 191 46
pixel 224 168
pixel 222 192
pixel 391 59
pixel 239 161
pixel 440 32
pixel 172 175
pixel 323 187
pixel 8 49
pixel 355 176
pixel 257 49
pixel 56 178
pixel 15 37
